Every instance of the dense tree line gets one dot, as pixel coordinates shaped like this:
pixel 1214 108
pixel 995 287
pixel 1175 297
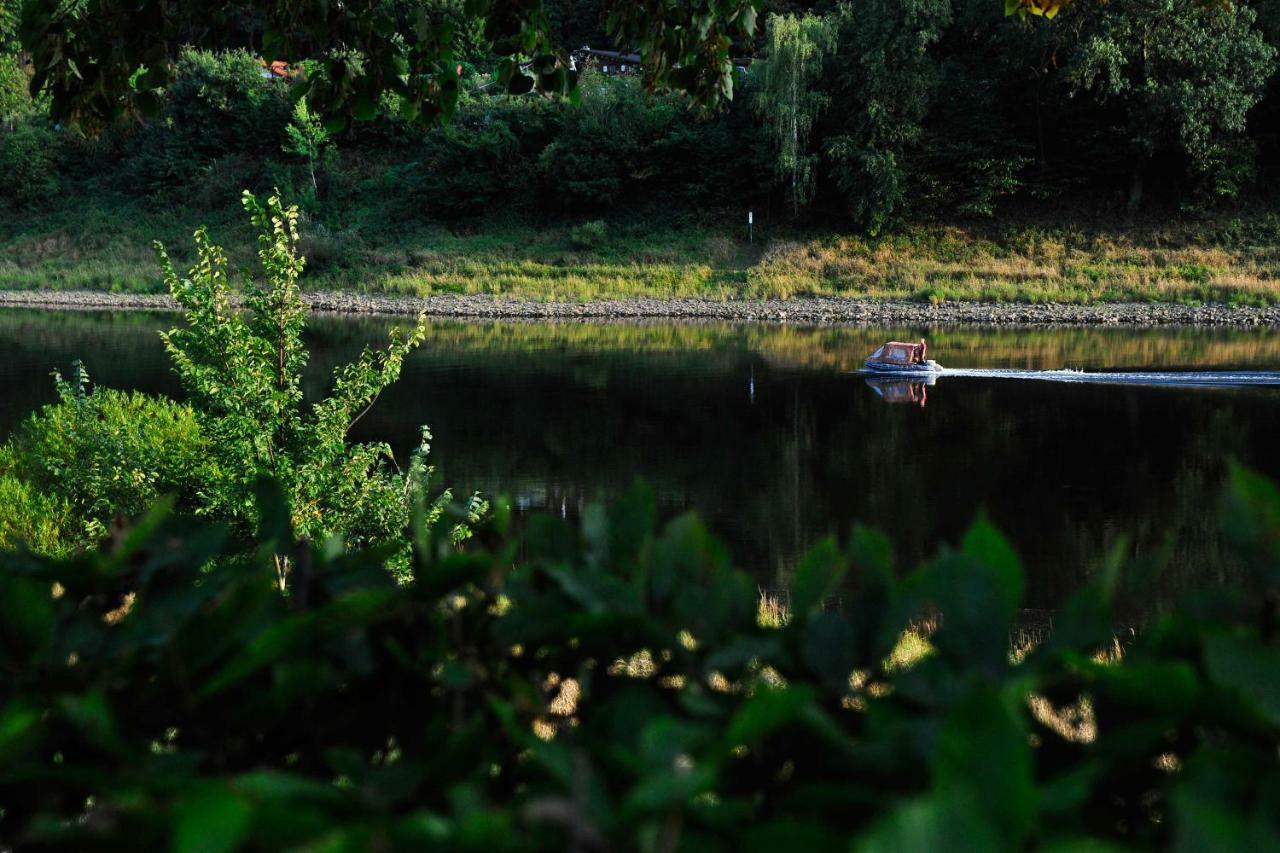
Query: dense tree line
pixel 873 114
pixel 939 107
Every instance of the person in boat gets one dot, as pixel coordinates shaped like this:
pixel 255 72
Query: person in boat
pixel 920 354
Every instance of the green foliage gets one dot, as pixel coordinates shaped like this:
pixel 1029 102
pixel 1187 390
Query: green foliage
pixel 1185 74
pixel 588 235
pixel 971 154
pixel 618 148
pixel 603 145
pixel 787 100
pixel 221 102
pixel 98 453
pixel 105 453
pixel 243 375
pixel 356 54
pixel 934 110
pixel 15 100
pixel 30 516
pixel 610 686
pixel 480 160
pixel 885 95
pixel 10 14
pixel 308 139
pixel 29 160
pixel 620 144
pixel 218 120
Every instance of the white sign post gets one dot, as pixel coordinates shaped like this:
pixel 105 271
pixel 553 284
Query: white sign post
pixel 751 222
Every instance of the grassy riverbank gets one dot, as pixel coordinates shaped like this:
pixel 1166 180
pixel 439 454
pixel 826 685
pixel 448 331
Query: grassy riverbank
pixel 106 245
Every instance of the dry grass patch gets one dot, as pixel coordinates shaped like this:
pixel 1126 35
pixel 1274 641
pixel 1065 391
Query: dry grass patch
pixel 107 246
pixel 954 264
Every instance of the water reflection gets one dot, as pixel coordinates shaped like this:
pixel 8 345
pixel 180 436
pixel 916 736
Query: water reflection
pixel 772 437
pixel 909 392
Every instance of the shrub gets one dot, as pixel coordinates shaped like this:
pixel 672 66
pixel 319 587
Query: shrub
pixel 617 686
pixel 622 146
pixel 220 121
pixel 29 162
pixel 15 100
pixel 31 517
pixel 466 169
pixel 106 453
pixel 588 235
pixel 486 158
pixel 598 154
pixel 220 103
pixel 242 371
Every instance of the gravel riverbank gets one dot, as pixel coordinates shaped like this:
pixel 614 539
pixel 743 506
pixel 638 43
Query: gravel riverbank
pixel 799 311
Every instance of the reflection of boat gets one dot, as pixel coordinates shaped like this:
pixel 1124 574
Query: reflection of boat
pixel 899 358
pixel 901 390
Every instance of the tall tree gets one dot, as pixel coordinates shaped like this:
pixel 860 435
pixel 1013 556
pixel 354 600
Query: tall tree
pixel 1186 76
pixel 885 83
pixel 788 100
pixel 1264 123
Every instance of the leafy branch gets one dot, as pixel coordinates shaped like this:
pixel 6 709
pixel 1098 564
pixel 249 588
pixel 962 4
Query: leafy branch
pixel 241 363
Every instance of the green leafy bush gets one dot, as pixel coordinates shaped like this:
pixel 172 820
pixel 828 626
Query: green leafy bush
pixel 104 453
pixel 620 145
pixel 30 517
pixel 589 235
pixel 467 168
pixel 15 101
pixel 308 139
pixel 611 687
pixel 29 162
pixel 219 120
pixel 242 370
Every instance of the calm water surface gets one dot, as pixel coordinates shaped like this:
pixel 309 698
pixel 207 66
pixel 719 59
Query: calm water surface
pixel 775 439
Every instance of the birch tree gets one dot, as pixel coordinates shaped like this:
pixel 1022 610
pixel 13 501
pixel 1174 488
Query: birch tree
pixel 797 46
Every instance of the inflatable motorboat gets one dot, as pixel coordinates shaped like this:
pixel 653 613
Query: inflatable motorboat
pixel 896 358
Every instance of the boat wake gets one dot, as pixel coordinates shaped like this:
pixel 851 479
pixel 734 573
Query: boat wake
pixel 1169 378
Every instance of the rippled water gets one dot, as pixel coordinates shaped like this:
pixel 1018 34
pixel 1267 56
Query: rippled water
pixel 1176 378
pixel 1065 438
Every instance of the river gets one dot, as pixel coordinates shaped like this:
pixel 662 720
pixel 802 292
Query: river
pixel 772 435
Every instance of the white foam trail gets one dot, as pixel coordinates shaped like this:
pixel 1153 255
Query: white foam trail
pixel 1171 378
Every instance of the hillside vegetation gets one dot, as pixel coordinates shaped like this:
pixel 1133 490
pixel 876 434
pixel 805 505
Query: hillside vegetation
pixel 909 149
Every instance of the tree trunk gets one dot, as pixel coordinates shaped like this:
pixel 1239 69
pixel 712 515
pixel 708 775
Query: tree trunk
pixel 282 571
pixel 1135 188
pixel 1044 160
pixel 795 144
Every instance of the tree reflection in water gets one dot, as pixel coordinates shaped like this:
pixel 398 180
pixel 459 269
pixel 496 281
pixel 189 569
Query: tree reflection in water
pixel 768 432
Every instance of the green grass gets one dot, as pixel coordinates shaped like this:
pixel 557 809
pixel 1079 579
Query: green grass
pixel 105 244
